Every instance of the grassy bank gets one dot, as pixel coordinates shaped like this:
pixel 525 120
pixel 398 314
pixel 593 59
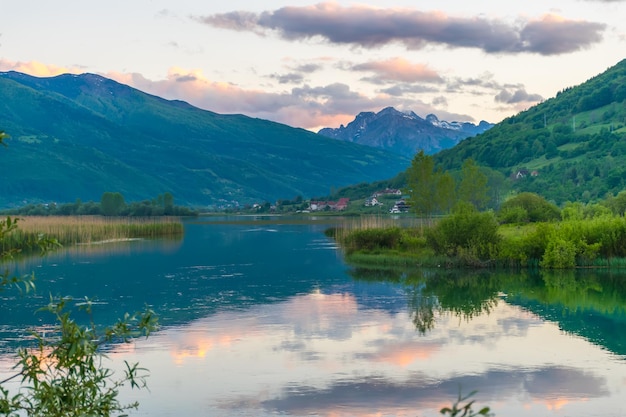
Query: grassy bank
pixel 468 238
pixel 88 229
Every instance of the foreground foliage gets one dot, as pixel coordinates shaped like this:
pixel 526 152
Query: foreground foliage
pixel 64 373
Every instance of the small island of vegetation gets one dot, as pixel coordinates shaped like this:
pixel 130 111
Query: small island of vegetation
pixel 454 229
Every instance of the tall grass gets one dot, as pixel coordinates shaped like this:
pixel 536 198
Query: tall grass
pixel 70 230
pixel 355 224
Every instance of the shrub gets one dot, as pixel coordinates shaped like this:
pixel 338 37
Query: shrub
pixel 537 207
pixel 559 254
pixel 465 232
pixel 512 215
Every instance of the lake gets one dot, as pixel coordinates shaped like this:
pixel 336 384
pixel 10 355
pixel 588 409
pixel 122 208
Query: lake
pixel 262 317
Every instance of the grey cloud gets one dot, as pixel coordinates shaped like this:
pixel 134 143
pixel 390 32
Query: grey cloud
pixel 379 393
pixel 291 78
pixel 369 27
pixel 399 90
pixel 554 37
pixel 186 78
pixel 336 90
pixel 308 68
pixel 518 96
pixel 239 21
pixel 484 81
pixel 440 101
pixel 398 70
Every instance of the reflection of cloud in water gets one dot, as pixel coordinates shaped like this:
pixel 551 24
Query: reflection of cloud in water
pixel 402 354
pixel 326 355
pixel 553 387
pixel 317 315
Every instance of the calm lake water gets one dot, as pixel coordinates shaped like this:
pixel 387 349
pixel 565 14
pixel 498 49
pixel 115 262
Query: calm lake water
pixel 264 318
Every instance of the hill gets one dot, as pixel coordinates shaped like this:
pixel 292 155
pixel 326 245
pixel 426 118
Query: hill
pixel 404 133
pixel 77 136
pixel 569 148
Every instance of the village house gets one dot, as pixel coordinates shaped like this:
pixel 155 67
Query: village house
pixel 386 192
pixel 523 173
pixel 339 205
pixel 372 202
pixel 400 207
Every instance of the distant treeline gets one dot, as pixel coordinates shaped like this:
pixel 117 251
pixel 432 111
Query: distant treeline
pixel 111 204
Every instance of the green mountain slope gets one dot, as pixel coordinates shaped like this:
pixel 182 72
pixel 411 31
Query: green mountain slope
pixel 79 136
pixel 570 147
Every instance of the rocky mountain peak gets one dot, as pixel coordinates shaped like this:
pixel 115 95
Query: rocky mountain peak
pixel 404 133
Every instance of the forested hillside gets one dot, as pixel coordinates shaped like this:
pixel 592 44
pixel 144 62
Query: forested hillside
pixel 569 148
pixel 78 136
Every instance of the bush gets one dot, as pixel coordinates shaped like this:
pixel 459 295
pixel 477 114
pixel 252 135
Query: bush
pixel 559 254
pixel 513 215
pixel 537 207
pixel 466 232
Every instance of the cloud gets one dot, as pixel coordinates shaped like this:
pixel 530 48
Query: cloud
pixel 38 69
pixel 308 68
pixel 517 96
pixel 291 78
pixel 440 101
pixel 542 386
pixel 307 107
pixel 400 69
pixel 553 35
pixel 400 90
pixel 374 27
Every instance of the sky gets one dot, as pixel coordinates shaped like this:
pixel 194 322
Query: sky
pixel 314 64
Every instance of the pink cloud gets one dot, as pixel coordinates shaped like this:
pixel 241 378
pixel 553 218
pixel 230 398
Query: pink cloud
pixel 308 107
pixel 400 69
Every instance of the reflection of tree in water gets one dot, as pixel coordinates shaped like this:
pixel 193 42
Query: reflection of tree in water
pixel 422 308
pixel 432 293
pixel 460 294
pixel 588 303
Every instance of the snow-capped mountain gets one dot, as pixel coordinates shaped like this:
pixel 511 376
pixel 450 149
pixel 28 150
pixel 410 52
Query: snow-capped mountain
pixel 404 133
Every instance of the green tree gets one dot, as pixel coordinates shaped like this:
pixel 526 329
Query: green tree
pixel 422 182
pixel 536 208
pixel 111 204
pixel 473 185
pixel 446 193
pixel 168 204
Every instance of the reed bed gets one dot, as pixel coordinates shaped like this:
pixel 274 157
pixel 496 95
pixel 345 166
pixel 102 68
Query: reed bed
pixel 350 225
pixel 73 230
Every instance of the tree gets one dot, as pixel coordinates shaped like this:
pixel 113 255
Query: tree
pixel 535 207
pixel 168 204
pixel 446 195
pixel 473 185
pixel 111 204
pixel 422 184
